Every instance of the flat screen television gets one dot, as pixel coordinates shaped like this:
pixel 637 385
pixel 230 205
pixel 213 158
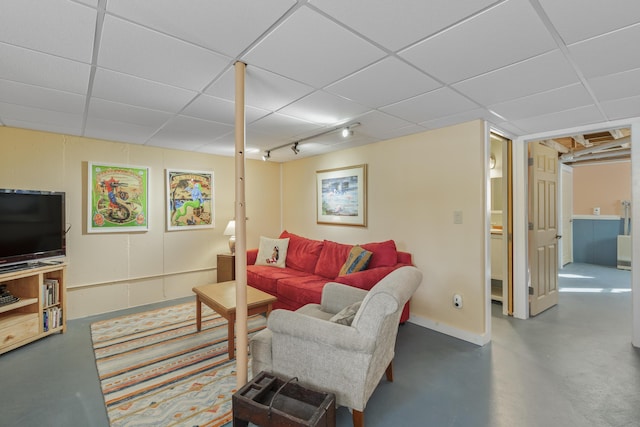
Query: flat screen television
pixel 32 226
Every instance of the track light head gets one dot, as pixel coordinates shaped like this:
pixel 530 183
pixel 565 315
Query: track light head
pixel 295 148
pixel 267 156
pixel 346 132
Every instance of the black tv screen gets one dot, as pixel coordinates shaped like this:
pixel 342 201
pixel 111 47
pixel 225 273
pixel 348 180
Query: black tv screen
pixel 32 226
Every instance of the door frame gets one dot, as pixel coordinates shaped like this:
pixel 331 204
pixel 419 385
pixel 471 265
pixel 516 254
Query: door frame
pixel 520 288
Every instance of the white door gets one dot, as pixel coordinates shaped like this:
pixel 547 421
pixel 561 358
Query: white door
pixel 567 214
pixel 543 229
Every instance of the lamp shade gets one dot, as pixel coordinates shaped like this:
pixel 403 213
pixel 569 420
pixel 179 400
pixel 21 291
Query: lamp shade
pixel 231 229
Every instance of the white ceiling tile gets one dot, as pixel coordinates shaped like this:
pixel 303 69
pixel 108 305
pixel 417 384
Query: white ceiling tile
pixel 263 89
pixel 324 108
pixel 123 113
pixel 204 128
pixel 501 36
pixel 40 97
pixel 373 87
pixel 40 119
pixel 375 123
pixel 92 3
pixel 608 54
pixel 276 124
pixel 454 119
pixel 131 90
pixel 564 98
pixel 220 110
pixel 118 131
pixel 539 74
pixel 29 23
pixel 155 56
pixel 622 108
pixel 25 66
pixel 619 85
pixel 439 103
pixel 564 119
pixel 380 20
pixel 578 20
pixel 226 26
pixel 313 50
pixel 177 140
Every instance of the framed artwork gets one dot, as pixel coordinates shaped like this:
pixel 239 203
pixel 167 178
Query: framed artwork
pixel 189 200
pixel 342 196
pixel 118 199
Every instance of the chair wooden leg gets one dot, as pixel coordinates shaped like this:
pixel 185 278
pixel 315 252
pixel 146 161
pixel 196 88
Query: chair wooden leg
pixel 389 372
pixel 358 418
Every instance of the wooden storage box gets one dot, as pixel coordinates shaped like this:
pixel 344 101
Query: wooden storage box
pixel 269 401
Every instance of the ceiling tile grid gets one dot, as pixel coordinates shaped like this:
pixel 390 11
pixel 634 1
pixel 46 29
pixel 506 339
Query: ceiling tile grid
pixel 162 73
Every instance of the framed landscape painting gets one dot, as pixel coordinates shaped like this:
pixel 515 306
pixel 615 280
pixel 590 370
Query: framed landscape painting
pixel 189 200
pixel 342 196
pixel 118 198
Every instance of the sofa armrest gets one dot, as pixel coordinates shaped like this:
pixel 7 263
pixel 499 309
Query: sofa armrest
pixel 252 255
pixel 336 296
pixel 320 331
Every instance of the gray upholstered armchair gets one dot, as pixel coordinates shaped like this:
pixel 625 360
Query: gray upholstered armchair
pixel 348 360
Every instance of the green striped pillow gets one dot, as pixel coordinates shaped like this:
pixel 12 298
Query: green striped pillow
pixel 357 260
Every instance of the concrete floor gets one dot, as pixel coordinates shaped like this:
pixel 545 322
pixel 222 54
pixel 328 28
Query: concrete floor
pixel 572 365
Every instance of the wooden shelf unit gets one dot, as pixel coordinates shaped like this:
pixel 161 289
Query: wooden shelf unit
pixel 24 321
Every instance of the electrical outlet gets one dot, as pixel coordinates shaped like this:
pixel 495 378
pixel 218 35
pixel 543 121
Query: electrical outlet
pixel 457 301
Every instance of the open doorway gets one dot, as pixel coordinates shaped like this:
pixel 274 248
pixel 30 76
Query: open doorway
pixel 501 252
pixel 594 182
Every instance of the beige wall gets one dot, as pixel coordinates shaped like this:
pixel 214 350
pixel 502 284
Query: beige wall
pixel 111 271
pixel 602 185
pixel 415 184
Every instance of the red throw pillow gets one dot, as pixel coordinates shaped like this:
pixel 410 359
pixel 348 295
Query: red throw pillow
pixel 303 253
pixel 385 254
pixel 332 257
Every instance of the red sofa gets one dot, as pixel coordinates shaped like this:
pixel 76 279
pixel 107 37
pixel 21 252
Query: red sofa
pixel 310 264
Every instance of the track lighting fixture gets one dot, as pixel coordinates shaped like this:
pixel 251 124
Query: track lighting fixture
pixel 346 131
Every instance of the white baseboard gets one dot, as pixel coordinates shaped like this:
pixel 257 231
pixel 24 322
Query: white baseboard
pixel 477 339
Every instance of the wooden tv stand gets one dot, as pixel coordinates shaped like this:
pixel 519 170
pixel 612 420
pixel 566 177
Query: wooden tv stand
pixel 41 308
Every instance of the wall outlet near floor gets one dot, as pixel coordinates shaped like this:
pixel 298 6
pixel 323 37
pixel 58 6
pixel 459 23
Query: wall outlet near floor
pixel 457 301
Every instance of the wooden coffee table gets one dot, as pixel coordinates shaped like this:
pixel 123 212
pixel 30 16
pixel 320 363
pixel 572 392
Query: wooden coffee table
pixel 221 297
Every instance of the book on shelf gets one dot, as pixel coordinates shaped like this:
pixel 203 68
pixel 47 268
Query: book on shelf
pixel 52 318
pixel 50 292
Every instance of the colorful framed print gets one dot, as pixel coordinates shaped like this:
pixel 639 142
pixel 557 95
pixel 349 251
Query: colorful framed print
pixel 189 200
pixel 342 196
pixel 118 198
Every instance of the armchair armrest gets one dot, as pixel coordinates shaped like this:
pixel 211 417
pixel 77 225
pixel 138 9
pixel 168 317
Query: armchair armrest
pixel 309 328
pixel 336 296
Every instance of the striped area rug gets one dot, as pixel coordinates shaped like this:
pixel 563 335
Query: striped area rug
pixel 156 370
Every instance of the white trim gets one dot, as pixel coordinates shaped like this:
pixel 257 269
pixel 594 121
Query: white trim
pixel 487 232
pixel 478 339
pixel 604 217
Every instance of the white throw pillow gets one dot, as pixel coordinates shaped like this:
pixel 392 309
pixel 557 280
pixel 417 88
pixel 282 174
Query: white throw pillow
pixel 272 252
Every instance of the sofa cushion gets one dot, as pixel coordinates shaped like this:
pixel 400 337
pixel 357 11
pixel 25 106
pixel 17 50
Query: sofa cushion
pixel 302 290
pixel 357 260
pixel 364 279
pixel 266 278
pixel 302 253
pixel 272 252
pixel 332 257
pixel 385 253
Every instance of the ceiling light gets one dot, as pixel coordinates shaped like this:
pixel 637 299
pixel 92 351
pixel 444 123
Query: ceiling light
pixel 346 132
pixel 295 148
pixel 267 156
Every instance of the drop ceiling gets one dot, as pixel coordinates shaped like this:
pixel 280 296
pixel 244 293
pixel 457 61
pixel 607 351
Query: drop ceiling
pixel 161 73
